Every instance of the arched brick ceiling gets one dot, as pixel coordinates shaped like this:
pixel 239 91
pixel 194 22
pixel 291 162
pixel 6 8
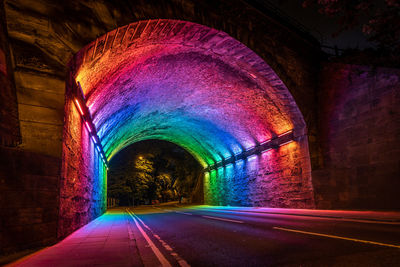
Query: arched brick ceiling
pixel 185 83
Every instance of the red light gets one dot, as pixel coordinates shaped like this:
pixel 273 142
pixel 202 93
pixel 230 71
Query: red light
pixel 79 106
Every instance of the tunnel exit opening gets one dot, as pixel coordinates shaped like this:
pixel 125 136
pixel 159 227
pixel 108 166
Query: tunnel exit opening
pixel 154 172
pixel 195 87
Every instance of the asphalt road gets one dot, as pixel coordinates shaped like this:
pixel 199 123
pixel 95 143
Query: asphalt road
pixel 215 237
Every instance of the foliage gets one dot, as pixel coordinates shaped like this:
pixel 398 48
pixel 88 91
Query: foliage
pixel 146 177
pixel 380 20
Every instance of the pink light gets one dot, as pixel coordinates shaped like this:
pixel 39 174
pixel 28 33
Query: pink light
pixel 252 75
pixel 266 141
pixel 288 132
pixel 79 106
pixel 286 143
pixel 88 127
pixel 264 151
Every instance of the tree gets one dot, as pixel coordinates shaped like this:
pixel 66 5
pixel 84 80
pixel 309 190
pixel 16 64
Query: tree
pixel 164 188
pixel 162 173
pixel 380 20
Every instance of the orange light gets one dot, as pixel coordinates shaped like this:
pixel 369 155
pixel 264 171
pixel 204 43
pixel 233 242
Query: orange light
pixel 79 106
pixel 285 133
pixel 286 143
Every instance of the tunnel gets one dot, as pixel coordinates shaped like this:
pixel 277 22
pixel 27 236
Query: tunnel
pixel 196 87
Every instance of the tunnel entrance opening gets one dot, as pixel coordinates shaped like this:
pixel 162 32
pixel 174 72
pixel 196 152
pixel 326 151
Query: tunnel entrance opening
pixel 154 172
pixel 193 86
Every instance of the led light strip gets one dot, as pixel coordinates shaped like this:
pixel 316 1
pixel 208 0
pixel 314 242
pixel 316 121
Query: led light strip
pixel 273 143
pixel 88 122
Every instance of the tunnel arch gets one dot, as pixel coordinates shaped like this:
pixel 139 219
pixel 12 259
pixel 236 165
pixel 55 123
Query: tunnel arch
pixel 196 87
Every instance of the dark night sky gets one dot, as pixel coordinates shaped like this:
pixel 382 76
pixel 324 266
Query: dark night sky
pixel 321 26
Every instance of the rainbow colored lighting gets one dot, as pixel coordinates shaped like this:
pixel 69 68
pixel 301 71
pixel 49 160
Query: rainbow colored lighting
pixel 216 99
pixel 273 143
pixel 200 101
pixel 86 117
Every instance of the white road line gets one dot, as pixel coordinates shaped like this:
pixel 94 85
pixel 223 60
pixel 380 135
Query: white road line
pixel 180 261
pixel 337 237
pixel 157 252
pixel 360 220
pixel 222 219
pixel 181 212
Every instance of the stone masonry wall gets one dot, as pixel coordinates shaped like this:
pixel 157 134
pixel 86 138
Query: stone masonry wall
pixel 28 199
pixel 360 126
pixel 279 178
pixel 44 35
pixel 83 175
pixel 9 124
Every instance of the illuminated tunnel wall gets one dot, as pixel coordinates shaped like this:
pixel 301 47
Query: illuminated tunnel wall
pixel 196 87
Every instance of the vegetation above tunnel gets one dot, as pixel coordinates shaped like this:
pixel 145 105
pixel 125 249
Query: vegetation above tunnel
pixel 154 171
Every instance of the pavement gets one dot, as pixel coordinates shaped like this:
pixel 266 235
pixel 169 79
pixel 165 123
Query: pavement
pixel 106 241
pixel 178 235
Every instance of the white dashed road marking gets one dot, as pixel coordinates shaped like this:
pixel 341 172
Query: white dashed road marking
pixel 222 219
pixel 180 261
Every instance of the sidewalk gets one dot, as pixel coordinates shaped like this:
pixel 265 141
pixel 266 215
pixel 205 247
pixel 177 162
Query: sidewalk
pixel 106 241
pixel 373 216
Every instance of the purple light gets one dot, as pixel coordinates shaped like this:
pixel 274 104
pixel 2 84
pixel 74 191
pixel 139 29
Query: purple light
pixel 94 139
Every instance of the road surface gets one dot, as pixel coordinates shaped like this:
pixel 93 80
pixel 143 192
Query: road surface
pixel 221 237
pixel 212 236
